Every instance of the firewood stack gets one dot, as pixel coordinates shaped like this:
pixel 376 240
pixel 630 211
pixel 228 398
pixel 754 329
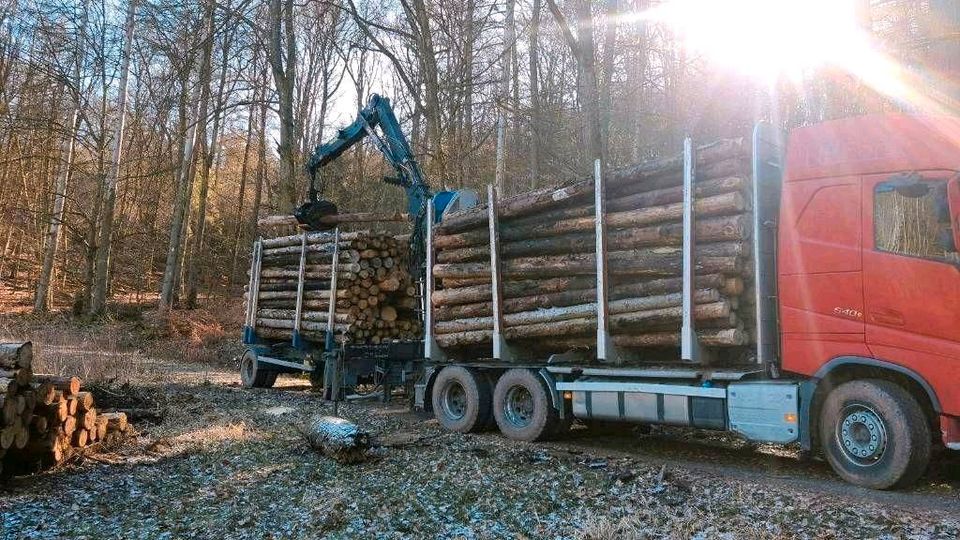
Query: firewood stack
pixel 376 298
pixel 46 418
pixel 548 267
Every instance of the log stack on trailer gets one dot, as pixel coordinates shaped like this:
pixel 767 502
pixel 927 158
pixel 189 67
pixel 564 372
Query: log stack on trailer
pixel 45 419
pixel 546 244
pixel 375 299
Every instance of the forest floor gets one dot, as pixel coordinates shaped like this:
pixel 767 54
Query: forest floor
pixel 225 462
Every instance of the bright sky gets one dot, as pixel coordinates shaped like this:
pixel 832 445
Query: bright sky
pixel 772 39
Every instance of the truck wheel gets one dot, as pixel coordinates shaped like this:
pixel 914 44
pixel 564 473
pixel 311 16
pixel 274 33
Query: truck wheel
pixel 522 406
pixel 874 434
pixel 252 375
pixel 461 399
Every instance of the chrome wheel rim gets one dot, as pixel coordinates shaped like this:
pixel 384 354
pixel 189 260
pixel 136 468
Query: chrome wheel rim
pixel 861 435
pixel 454 401
pixel 519 407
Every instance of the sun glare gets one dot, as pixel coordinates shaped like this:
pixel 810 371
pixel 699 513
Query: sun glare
pixel 767 38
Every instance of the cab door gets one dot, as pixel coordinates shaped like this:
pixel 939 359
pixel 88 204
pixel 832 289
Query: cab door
pixel 911 273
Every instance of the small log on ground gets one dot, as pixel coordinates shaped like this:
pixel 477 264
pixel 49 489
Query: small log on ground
pixel 337 438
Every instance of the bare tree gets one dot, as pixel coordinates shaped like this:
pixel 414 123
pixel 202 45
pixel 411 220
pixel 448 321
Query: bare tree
pixel 68 151
pixel 582 47
pixel 105 236
pixel 509 39
pixel 282 55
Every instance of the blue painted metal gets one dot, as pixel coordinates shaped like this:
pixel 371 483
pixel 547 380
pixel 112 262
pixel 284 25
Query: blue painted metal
pixel 441 200
pixel 249 336
pixel 392 143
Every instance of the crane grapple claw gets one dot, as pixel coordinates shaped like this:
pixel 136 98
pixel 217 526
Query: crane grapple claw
pixel 311 215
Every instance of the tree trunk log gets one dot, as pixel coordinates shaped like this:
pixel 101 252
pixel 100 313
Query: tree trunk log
pixel 16 355
pixel 620 323
pixel 542 199
pixel 648 262
pixel 555 314
pixel 447 311
pixel 722 229
pixel 717 205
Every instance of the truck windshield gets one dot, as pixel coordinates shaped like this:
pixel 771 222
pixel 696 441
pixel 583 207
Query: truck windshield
pixel 912 218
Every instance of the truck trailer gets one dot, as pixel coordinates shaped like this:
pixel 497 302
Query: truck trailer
pixel 854 326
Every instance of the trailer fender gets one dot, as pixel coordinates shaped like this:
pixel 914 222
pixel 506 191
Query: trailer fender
pixel 555 398
pixel 809 388
pixel 424 389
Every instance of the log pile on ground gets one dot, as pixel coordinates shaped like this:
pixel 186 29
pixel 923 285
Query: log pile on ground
pixel 376 299
pixel 547 252
pixel 45 419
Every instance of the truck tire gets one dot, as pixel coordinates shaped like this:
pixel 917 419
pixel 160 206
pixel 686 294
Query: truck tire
pixel 252 375
pixel 522 407
pixel 461 399
pixel 874 434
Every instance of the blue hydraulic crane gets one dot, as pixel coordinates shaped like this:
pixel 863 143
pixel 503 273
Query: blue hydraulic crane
pixel 392 143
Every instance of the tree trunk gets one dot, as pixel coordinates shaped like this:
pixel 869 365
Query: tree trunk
pixel 283 61
pixel 210 152
pixel 535 112
pixel 98 299
pixel 608 66
pixel 506 59
pixel 41 298
pixel 185 184
pixel 238 230
pixel 587 87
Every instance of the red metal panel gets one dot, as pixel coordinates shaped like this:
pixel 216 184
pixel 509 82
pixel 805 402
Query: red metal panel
pixel 873 144
pixel 820 283
pixel 912 309
pixel 838 296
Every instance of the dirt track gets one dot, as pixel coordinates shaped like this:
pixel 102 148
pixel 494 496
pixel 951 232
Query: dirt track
pixel 228 463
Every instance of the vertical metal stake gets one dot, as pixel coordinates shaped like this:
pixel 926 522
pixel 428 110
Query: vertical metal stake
pixel 332 309
pixel 255 291
pixel 431 350
pixel 606 352
pixel 299 308
pixel 501 351
pixel 250 320
pixel 689 344
pixel 250 292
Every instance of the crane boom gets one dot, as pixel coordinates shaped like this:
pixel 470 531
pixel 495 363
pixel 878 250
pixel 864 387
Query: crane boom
pixel 390 141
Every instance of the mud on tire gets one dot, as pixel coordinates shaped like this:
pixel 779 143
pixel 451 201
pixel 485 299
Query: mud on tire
pixel 875 434
pixel 252 374
pixel 522 406
pixel 461 399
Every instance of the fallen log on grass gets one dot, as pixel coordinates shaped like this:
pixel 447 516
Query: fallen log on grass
pixel 337 438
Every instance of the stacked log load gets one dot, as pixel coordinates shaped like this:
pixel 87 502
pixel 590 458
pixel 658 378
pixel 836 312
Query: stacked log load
pixel 376 300
pixel 45 419
pixel 548 266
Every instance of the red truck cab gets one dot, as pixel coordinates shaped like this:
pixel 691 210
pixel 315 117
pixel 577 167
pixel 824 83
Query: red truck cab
pixel 869 281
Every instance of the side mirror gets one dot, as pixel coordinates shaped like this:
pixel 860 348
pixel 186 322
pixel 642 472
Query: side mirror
pixel 953 199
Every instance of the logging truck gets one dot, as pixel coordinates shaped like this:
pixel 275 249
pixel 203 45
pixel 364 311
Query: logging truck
pixel 799 289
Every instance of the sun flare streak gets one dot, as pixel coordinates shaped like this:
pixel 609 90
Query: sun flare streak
pixel 769 40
